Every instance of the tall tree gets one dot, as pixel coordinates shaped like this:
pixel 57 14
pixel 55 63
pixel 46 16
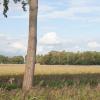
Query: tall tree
pixel 32 41
pixel 31 52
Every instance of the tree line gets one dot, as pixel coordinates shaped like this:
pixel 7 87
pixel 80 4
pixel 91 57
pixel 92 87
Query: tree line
pixel 58 58
pixel 11 60
pixel 70 58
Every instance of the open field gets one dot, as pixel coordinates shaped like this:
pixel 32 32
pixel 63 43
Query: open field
pixel 15 69
pixel 56 82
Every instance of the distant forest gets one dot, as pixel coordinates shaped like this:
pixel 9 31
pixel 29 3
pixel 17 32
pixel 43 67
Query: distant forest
pixel 58 58
pixel 70 58
pixel 11 60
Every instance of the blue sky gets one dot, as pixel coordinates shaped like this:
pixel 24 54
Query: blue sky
pixel 71 25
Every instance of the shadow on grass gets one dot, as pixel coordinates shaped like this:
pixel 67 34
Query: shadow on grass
pixel 56 80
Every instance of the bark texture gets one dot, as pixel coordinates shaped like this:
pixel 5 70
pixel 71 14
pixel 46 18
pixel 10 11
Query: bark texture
pixel 32 45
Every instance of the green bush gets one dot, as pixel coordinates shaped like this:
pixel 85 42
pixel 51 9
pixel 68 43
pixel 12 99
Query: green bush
pixel 8 86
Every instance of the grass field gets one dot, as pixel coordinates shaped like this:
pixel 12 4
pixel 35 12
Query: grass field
pixel 56 82
pixel 49 69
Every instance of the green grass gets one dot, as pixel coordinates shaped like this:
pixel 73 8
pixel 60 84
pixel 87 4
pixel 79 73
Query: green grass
pixel 65 93
pixel 52 83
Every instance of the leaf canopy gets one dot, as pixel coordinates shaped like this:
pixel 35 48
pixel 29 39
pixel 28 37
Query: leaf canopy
pixel 6 5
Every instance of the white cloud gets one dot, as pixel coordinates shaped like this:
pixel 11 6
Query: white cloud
pixel 18 46
pixel 79 2
pixel 12 45
pixel 94 44
pixel 81 10
pixel 76 13
pixel 50 39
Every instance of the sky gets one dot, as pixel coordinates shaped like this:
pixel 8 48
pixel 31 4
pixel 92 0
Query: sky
pixel 70 25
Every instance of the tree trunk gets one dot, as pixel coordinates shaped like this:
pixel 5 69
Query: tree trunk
pixel 32 44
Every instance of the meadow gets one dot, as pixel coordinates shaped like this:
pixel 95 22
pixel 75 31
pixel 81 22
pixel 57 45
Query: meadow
pixel 52 82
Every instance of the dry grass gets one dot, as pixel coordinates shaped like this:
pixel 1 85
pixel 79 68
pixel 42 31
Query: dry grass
pixel 54 82
pixel 11 69
pixel 69 93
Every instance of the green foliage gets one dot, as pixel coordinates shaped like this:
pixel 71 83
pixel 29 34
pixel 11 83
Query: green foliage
pixel 8 86
pixel 93 82
pixel 3 59
pixel 69 82
pixel 55 87
pixel 11 60
pixel 6 5
pixel 17 60
pixel 70 58
pixel 73 93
